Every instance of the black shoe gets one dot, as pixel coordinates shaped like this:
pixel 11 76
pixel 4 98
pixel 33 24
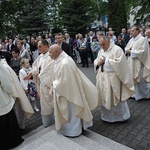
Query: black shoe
pixel 87 66
pixel 82 66
pixel 18 142
pixel 23 131
pixel 131 97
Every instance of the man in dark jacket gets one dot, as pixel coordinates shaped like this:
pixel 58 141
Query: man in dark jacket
pixel 64 46
pixel 10 45
pixel 125 36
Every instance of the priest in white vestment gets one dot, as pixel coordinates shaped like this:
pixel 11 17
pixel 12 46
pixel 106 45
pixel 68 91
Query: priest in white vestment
pixel 113 81
pixel 73 93
pixel 22 107
pixel 137 51
pixel 42 74
pixel 9 130
pixel 148 36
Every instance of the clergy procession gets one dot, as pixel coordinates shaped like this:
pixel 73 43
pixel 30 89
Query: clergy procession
pixel 47 71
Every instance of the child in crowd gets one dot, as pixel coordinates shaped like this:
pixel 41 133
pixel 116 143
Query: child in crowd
pixel 95 47
pixel 28 85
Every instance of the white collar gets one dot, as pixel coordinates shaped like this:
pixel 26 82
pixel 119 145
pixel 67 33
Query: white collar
pixel 138 36
pixel 45 54
pixel 26 69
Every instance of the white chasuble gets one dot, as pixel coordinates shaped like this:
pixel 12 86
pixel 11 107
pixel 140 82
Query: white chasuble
pixel 140 65
pixel 74 97
pixel 114 83
pixel 19 93
pixel 42 73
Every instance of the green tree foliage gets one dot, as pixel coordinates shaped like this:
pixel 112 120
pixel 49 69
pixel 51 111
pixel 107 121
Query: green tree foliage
pixel 24 16
pixel 140 8
pixel 28 16
pixel 143 11
pixel 33 16
pixel 76 16
pixel 54 17
pixel 9 14
pixel 100 8
pixel 117 15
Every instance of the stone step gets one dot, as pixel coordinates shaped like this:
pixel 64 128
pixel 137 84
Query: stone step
pixel 88 143
pixel 34 135
pixel 52 140
pixel 47 146
pixel 42 138
pixel 106 142
pixel 41 128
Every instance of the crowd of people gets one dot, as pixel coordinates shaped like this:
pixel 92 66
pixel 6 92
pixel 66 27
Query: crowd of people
pixel 45 69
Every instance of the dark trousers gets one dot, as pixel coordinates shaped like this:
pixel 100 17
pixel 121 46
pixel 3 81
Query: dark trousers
pixel 10 135
pixel 91 55
pixel 84 58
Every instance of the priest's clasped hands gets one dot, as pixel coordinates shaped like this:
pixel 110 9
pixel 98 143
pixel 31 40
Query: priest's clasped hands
pixel 101 61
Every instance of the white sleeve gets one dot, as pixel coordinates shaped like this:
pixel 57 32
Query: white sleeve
pixel 24 83
pixel 28 55
pixel 28 48
pixel 133 54
pixel 6 81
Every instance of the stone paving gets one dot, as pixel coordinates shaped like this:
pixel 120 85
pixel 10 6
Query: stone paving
pixel 134 133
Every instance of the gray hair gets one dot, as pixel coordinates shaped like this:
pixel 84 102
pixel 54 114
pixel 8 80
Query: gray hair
pixel 136 27
pixel 106 38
